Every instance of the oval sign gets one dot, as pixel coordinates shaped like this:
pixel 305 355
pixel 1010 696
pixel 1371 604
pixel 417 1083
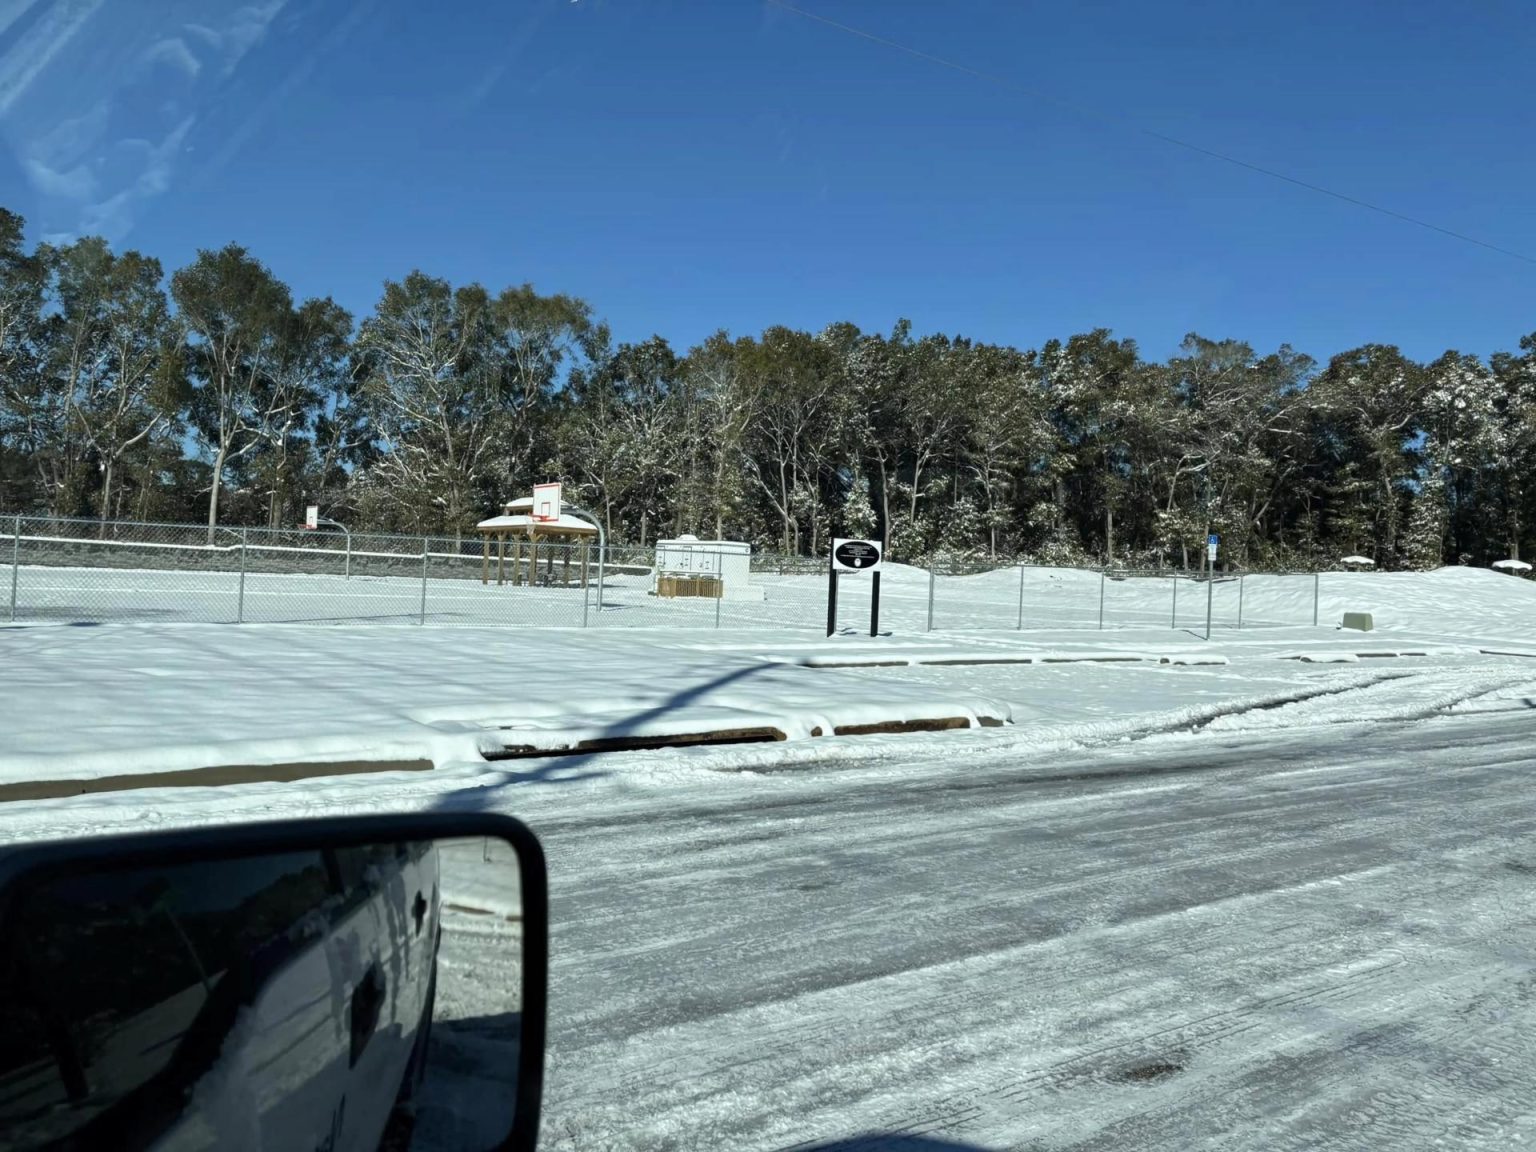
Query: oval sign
pixel 856 555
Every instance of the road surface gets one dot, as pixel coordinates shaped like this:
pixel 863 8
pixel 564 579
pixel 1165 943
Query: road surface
pixel 1308 939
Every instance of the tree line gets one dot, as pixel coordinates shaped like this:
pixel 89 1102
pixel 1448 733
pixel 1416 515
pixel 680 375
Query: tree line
pixel 215 395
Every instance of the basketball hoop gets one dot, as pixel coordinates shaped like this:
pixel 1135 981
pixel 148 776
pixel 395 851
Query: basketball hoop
pixel 546 504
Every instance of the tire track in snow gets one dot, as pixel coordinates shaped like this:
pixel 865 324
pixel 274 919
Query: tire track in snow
pixel 1186 1040
pixel 927 1026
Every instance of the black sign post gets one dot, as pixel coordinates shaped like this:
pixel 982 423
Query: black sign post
pixel 852 557
pixel 831 595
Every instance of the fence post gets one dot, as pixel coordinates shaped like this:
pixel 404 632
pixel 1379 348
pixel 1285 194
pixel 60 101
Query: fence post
pixel 15 566
pixel 245 534
pixel 931 579
pixel 602 560
pixel 1020 627
pixel 1240 602
pixel 1317 579
pixel 1101 601
pixel 1175 621
pixel 422 619
pixel 719 586
pixel 1210 593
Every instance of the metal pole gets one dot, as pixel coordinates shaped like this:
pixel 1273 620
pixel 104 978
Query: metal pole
pixel 240 604
pixel 1175 622
pixel 1021 598
pixel 1101 601
pixel 831 596
pixel 15 566
pixel 719 586
pixel 602 555
pixel 874 604
pixel 1317 581
pixel 586 592
pixel 602 561
pixel 422 619
pixel 931 579
pixel 1210 592
pixel 1240 602
pixel 347 532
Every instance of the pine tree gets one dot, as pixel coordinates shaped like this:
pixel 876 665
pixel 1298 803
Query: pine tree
pixel 856 515
pixel 1424 540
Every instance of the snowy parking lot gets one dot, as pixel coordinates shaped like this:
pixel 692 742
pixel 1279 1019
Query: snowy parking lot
pixel 1274 890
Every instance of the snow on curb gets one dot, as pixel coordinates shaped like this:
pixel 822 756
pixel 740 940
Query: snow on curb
pixel 912 658
pixel 1352 657
pixel 694 725
pixel 1038 740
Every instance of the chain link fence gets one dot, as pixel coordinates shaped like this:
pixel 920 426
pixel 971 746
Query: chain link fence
pixel 89 571
pixel 981 597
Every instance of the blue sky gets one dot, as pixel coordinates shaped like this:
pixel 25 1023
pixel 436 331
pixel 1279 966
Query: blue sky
pixel 698 164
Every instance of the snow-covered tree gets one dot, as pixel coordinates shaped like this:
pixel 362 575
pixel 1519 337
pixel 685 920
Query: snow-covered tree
pixel 1514 452
pixel 856 515
pixel 32 412
pixel 111 337
pixel 721 406
pixel 234 312
pixel 1428 519
pixel 435 398
pixel 1460 439
pixel 802 417
pixel 626 441
pixel 1369 404
pixel 1006 431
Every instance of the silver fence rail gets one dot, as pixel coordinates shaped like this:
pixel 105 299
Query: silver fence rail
pixel 88 571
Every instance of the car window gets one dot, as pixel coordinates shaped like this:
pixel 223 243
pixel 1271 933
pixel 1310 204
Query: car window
pixel 140 952
pixel 368 865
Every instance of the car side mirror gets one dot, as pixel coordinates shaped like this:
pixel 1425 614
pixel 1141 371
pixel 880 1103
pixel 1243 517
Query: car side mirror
pixel 343 984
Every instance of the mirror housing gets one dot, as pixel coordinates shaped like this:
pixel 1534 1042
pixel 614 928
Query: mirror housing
pixel 95 893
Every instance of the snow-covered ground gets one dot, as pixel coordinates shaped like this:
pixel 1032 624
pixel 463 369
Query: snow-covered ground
pixel 1268 891
pixel 990 601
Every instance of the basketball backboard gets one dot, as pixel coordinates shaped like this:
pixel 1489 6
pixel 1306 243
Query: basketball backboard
pixel 546 503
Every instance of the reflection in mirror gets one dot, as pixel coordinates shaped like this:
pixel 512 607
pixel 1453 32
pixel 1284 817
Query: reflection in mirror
pixel 333 998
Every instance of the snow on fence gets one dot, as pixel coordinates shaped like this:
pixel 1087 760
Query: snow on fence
pixel 83 571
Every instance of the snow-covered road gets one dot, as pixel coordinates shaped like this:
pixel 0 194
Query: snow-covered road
pixel 1301 939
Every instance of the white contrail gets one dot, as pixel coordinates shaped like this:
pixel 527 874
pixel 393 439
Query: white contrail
pixel 36 50
pixel 12 10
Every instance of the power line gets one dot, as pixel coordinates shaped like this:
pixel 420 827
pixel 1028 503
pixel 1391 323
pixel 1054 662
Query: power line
pixel 1122 121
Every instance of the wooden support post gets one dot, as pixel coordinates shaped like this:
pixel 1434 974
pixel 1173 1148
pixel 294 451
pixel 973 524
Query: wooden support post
pixel 565 567
pixel 517 557
pixel 485 558
pixel 533 560
pixel 501 560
